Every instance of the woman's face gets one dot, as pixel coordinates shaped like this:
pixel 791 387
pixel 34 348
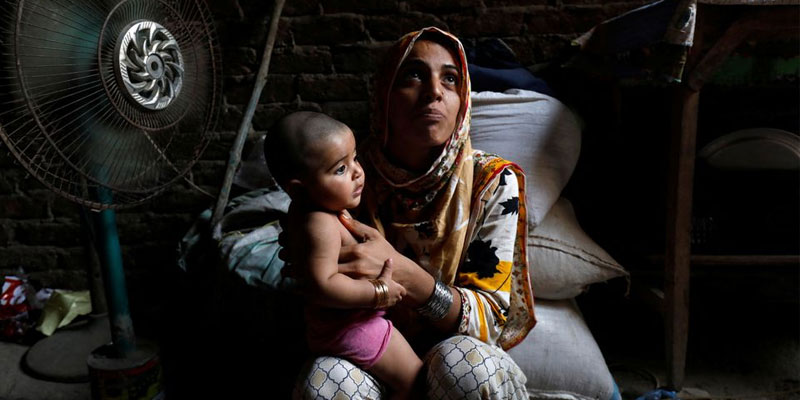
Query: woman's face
pixel 423 105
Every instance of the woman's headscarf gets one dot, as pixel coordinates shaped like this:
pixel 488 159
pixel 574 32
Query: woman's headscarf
pixel 432 207
pixel 429 217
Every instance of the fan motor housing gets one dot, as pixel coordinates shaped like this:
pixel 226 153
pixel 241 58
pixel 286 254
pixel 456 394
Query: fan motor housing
pixel 149 64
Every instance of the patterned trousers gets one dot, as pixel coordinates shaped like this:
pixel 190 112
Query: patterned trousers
pixel 460 367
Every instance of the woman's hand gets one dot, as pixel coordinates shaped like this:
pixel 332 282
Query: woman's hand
pixel 396 290
pixel 365 259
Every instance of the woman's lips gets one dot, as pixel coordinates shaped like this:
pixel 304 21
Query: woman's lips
pixel 431 115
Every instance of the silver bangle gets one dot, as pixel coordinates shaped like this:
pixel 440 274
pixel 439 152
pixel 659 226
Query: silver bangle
pixel 437 306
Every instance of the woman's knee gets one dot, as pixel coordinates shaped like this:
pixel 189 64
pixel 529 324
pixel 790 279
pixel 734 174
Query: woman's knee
pixel 332 377
pixel 462 367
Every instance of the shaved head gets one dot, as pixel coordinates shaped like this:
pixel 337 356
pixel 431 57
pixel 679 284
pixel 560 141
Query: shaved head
pixel 291 142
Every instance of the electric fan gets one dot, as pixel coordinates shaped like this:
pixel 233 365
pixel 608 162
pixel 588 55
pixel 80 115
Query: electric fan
pixel 107 103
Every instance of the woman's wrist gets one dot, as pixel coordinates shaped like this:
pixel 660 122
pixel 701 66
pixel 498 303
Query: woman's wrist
pixel 419 283
pixel 438 304
pixel 419 286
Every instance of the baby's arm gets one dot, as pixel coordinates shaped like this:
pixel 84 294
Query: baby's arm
pixel 323 236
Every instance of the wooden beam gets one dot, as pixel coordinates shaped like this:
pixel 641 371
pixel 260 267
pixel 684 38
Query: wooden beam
pixel 677 254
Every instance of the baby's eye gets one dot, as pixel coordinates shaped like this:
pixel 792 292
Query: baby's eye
pixel 340 170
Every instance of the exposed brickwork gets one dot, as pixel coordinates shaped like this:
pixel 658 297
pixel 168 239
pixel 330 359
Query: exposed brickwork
pixel 358 59
pixel 328 30
pixel 368 7
pixel 325 54
pixel 56 232
pixel 493 22
pixel 301 58
pixel 391 27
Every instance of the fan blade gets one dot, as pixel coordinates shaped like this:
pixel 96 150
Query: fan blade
pixel 137 87
pixel 177 68
pixel 132 65
pixel 169 45
pixel 150 85
pixel 154 95
pixel 171 87
pixel 133 56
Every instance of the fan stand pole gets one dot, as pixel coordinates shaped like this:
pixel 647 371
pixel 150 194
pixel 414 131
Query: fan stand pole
pixel 122 336
pixel 124 366
pixel 236 151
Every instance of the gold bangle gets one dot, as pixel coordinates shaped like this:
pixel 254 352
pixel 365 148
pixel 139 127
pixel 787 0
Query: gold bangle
pixel 381 293
pixel 384 294
pixel 378 290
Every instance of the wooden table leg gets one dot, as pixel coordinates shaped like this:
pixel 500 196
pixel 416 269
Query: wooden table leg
pixel 678 230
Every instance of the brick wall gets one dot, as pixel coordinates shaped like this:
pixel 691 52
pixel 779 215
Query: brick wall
pixel 324 55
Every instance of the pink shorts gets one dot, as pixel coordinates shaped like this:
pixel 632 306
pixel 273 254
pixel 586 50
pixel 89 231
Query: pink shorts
pixel 361 337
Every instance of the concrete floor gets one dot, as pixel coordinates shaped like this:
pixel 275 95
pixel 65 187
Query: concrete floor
pixel 741 346
pixel 744 336
pixel 772 374
pixel 17 385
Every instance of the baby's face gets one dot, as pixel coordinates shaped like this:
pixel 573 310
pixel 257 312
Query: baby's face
pixel 336 179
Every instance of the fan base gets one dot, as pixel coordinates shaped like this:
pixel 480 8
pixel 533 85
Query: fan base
pixel 137 375
pixel 62 356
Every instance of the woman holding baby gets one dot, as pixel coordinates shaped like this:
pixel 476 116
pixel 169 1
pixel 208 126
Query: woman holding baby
pixel 451 219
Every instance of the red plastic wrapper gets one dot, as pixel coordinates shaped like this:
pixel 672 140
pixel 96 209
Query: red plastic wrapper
pixel 15 320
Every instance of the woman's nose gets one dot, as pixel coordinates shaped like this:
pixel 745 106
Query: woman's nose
pixel 433 91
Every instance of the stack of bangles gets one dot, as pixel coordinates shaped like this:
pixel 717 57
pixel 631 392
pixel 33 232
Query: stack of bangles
pixel 381 293
pixel 437 306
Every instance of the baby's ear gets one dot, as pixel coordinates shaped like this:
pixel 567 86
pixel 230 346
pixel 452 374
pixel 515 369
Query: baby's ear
pixel 295 188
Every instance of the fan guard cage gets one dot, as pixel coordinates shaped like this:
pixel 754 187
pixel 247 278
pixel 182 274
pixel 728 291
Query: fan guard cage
pixel 108 102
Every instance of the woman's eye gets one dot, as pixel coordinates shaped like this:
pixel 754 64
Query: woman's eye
pixel 340 170
pixel 451 79
pixel 411 74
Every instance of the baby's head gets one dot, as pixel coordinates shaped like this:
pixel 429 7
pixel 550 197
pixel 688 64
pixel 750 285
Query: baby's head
pixel 313 158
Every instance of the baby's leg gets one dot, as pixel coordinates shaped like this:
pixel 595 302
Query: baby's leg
pixel 398 367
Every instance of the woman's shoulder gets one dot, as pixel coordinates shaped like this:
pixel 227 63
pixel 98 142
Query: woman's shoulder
pixel 492 172
pixel 482 157
pixel 490 164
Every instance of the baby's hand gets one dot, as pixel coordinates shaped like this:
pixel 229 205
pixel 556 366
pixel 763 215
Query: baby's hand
pixel 396 290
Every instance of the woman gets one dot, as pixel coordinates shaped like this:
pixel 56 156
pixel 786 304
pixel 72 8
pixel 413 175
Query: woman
pixel 453 221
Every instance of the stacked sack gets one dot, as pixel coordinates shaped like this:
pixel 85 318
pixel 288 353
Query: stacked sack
pixel 560 356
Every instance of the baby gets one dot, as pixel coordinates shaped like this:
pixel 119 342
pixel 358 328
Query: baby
pixel 313 158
